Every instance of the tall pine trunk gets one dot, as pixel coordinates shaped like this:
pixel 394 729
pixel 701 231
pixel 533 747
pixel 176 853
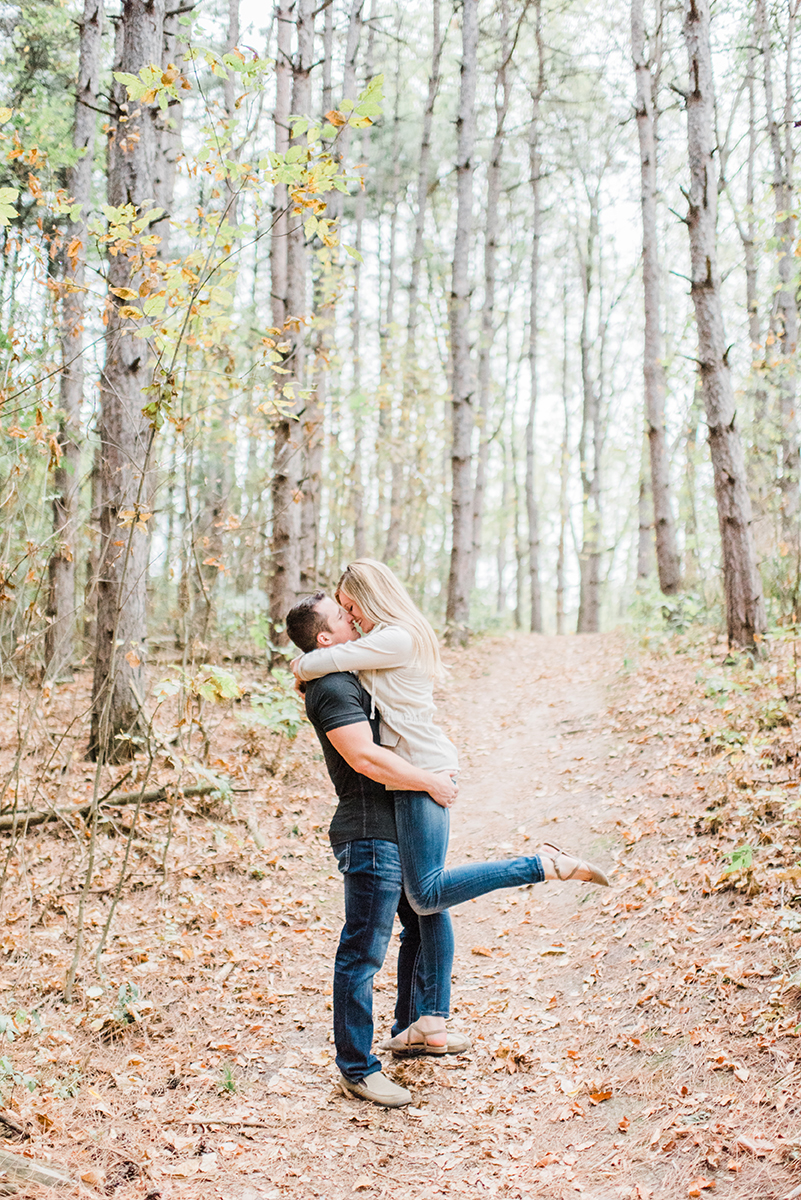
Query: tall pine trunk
pixel 61 607
pixel 462 383
pixel 535 182
pixel 589 614
pixel 745 609
pixel 784 316
pixel 667 557
pixel 124 434
pixel 503 91
pixel 288 448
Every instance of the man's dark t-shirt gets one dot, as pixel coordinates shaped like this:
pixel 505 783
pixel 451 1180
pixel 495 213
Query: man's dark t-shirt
pixel 366 808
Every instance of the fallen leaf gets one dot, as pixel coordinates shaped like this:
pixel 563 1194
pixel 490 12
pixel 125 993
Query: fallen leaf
pixel 181 1170
pixel 93 1177
pixel 697 1186
pixel 362 1183
pixel 756 1146
pixel 599 1097
pixel 481 952
pixel 623 1124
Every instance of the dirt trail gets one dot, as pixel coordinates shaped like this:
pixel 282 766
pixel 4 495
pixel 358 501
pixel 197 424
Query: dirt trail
pixel 614 1055
pixel 571 1088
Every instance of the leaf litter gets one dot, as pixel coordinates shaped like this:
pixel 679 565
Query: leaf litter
pixel 632 1044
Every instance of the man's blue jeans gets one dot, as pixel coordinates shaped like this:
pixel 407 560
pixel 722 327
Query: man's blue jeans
pixel 373 894
pixel 423 827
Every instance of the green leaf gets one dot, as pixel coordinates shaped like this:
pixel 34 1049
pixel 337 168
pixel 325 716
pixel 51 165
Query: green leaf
pixel 741 859
pixel 7 209
pixel 353 252
pixel 153 306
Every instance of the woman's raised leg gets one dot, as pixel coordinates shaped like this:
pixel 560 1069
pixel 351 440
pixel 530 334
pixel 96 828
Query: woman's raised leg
pixel 423 827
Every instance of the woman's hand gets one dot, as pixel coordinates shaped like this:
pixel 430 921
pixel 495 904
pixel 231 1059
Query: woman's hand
pixel 444 789
pixel 300 686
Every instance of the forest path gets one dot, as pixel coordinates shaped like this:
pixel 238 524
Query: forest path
pixel 625 1044
pixel 583 1058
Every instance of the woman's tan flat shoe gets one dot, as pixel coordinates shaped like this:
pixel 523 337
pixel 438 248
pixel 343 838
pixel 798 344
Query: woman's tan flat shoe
pixel 595 874
pixel 414 1041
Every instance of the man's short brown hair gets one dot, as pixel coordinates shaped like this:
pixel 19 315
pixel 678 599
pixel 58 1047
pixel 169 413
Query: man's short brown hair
pixel 304 622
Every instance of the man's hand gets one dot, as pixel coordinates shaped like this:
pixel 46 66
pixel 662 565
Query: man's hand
pixel 355 744
pixel 444 789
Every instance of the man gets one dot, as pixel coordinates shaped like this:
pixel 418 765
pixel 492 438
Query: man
pixel 364 841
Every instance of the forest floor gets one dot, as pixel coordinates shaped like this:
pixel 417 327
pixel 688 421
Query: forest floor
pixel 631 1043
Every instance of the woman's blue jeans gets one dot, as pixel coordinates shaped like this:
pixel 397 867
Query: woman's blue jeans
pixel 423 827
pixel 373 894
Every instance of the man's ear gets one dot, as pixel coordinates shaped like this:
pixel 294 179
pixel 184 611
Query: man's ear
pixel 324 638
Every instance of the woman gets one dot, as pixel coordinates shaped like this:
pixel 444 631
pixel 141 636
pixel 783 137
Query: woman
pixel 398 661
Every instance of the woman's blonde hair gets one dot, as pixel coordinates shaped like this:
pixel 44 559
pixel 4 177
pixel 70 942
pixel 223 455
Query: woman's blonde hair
pixel 384 600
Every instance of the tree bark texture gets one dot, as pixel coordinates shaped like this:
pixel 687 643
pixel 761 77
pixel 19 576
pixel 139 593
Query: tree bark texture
pixel 462 382
pixel 283 93
pixel 124 433
pixel 287 493
pixel 169 128
pixel 392 414
pixel 667 556
pixel 503 91
pixel 784 315
pixel 535 182
pixel 589 614
pixel 326 294
pixel 61 607
pixel 745 610
pixel 645 531
pixel 564 476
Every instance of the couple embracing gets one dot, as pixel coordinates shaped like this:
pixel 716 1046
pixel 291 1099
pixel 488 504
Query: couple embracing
pixel 369 663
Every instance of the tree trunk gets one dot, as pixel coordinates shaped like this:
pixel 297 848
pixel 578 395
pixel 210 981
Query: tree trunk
pixel 288 453
pixel 667 557
pixel 589 614
pixel 535 176
pixel 645 531
pixel 393 412
pixel 124 434
pixel 784 316
pixel 462 385
pixel 283 91
pixel 745 610
pixel 564 476
pixel 357 465
pixel 503 89
pixel 423 184
pixel 327 284
pixel 61 607
pixel 169 129
pixel 760 466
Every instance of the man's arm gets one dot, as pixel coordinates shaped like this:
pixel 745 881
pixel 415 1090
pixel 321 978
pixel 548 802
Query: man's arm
pixel 355 744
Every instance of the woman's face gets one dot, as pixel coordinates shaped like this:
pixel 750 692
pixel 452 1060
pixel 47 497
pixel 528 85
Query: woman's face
pixel 350 605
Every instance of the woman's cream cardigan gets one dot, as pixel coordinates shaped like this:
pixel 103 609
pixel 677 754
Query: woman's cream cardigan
pixel 402 693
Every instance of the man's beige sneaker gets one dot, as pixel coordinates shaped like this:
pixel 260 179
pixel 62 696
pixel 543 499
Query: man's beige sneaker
pixel 458 1043
pixel 378 1089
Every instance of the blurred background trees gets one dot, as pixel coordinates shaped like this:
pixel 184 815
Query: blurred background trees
pixel 278 288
